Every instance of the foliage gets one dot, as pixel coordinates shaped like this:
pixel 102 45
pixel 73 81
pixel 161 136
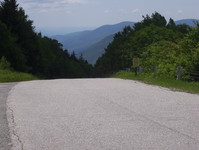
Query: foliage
pixel 120 53
pixel 164 55
pixel 30 52
pixel 4 64
pixel 10 49
pixel 155 19
pixel 13 76
pixel 156 43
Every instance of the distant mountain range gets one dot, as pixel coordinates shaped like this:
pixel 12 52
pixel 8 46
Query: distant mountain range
pixel 189 22
pixel 91 43
pixel 80 41
pixel 51 31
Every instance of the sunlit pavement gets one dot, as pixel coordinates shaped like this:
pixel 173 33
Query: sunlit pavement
pixel 101 114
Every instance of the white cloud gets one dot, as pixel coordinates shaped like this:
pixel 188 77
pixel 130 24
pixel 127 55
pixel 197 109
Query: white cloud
pixel 76 1
pixel 125 11
pixel 53 1
pixel 49 5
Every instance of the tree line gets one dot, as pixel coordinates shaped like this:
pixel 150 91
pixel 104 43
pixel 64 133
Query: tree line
pixel 28 51
pixel 155 42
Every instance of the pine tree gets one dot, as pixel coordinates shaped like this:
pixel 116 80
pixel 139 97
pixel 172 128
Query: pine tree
pixel 10 49
pixel 171 24
pixel 21 27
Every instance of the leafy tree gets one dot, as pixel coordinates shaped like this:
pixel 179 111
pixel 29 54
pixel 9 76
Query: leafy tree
pixel 189 47
pixel 168 55
pixel 4 64
pixel 156 43
pixel 164 55
pixel 183 28
pixel 120 53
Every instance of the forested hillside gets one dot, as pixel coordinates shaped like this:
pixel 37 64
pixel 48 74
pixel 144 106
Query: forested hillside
pixel 81 41
pixel 28 51
pixel 155 42
pixel 92 53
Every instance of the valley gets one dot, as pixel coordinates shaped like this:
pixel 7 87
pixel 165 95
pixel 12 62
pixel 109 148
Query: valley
pixel 92 43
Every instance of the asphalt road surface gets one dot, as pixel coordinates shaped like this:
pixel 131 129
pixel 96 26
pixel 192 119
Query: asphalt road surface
pixel 101 114
pixel 4 130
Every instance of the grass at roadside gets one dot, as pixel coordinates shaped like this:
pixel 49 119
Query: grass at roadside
pixel 191 87
pixel 12 76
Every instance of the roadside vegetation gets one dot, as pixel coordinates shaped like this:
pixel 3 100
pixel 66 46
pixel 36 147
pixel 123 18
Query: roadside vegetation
pixel 155 42
pixel 7 73
pixel 172 83
pixel 30 52
pixel 13 76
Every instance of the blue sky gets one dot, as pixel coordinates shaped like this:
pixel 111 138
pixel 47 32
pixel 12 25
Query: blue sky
pixel 94 13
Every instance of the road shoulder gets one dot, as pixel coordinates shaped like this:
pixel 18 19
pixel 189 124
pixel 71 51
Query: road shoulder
pixel 4 129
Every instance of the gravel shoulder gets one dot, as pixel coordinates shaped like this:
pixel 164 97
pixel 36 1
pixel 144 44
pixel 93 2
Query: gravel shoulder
pixel 101 114
pixel 4 130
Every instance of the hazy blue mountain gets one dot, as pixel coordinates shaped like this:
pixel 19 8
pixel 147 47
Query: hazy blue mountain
pixel 81 41
pixel 51 31
pixel 74 41
pixel 189 22
pixel 92 53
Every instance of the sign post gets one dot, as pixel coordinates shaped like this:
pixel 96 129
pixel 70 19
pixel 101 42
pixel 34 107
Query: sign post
pixel 179 72
pixel 155 69
pixel 136 65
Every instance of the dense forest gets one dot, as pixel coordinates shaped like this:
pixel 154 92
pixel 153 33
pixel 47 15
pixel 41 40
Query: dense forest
pixel 28 51
pixel 155 42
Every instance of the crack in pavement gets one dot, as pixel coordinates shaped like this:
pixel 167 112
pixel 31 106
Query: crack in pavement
pixel 13 130
pixel 15 139
pixel 5 140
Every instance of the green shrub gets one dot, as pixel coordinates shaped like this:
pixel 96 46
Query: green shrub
pixel 4 64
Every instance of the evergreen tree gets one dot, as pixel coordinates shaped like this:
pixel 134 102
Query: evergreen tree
pixel 73 56
pixel 28 51
pixel 16 20
pixel 11 50
pixel 155 19
pixel 171 24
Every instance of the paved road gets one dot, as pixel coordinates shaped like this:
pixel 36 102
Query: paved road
pixel 101 114
pixel 4 130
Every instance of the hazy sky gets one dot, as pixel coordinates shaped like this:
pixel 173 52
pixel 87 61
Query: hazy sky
pixel 94 13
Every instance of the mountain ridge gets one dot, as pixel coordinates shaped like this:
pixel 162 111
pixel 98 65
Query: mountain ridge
pixel 91 43
pixel 189 22
pixel 79 41
pixel 93 52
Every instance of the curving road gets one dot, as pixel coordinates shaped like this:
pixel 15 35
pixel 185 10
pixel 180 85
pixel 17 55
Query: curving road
pixel 101 114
